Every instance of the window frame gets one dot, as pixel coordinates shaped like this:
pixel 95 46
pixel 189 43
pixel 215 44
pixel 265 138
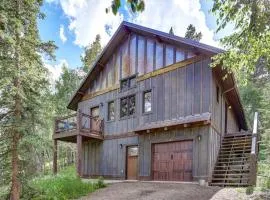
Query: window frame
pixel 128 79
pixel 128 107
pixel 108 112
pixel 143 100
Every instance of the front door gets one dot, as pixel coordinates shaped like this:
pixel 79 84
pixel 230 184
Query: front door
pixel 132 162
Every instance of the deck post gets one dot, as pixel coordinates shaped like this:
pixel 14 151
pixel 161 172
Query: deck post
pixel 79 155
pixel 55 156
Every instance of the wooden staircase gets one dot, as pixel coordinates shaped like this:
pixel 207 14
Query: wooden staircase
pixel 233 166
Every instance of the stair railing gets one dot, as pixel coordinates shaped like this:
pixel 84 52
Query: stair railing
pixel 254 151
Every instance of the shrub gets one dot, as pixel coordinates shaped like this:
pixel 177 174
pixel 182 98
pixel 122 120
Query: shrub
pixel 65 185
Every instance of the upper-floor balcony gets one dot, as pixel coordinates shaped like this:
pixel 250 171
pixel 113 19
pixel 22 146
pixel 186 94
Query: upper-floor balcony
pixel 68 127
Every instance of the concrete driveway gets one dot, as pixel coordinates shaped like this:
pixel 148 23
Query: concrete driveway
pixel 153 191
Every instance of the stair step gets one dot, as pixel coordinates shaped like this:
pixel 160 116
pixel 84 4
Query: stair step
pixel 231 162
pixel 230 184
pixel 230 175
pixel 230 166
pixel 238 134
pixel 230 179
pixel 237 145
pixel 236 140
pixel 235 156
pixel 231 170
pixel 235 151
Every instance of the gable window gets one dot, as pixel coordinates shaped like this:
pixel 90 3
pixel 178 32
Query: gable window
pixel 217 91
pixel 147 101
pixel 128 83
pixel 111 113
pixel 127 106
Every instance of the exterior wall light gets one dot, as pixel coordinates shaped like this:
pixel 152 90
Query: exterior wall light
pixel 121 146
pixel 199 137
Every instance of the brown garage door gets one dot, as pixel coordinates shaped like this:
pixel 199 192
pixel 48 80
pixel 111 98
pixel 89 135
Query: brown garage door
pixel 172 161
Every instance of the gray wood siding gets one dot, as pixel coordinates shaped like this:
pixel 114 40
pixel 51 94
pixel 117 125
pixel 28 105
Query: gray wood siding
pixel 200 149
pixel 179 93
pixel 232 126
pixel 137 55
pixel 218 111
pixel 213 149
pixel 106 158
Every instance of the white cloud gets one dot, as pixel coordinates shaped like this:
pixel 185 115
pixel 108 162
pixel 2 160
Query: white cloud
pixel 88 18
pixel 55 70
pixel 62 33
pixel 162 15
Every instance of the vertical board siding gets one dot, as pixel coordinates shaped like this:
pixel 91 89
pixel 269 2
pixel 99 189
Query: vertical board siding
pixel 125 59
pixel 137 55
pixel 133 54
pixel 150 55
pixel 159 55
pixel 169 55
pixel 213 149
pixel 106 158
pixel 141 57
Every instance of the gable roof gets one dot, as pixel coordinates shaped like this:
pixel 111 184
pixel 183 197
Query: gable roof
pixel 121 33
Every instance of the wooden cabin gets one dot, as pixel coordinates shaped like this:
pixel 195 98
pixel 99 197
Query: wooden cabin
pixel 152 108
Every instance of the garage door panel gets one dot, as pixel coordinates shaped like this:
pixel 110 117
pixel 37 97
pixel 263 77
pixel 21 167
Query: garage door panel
pixel 173 161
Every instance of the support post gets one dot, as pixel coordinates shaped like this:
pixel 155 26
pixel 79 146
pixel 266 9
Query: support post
pixel 79 155
pixel 55 156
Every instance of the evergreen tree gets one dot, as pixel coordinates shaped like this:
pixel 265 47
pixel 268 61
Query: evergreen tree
pixel 91 54
pixel 135 6
pixel 171 31
pixel 192 34
pixel 22 82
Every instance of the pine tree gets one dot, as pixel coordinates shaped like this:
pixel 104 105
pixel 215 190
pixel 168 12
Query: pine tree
pixel 171 31
pixel 91 53
pixel 192 34
pixel 22 82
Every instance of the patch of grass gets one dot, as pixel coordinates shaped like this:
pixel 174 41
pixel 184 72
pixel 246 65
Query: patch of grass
pixel 65 185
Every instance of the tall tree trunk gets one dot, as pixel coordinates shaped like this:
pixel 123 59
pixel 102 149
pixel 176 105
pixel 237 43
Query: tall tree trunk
pixel 15 182
pixel 15 186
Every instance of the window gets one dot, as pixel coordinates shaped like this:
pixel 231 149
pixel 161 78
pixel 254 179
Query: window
pixel 127 106
pixel 111 113
pixel 95 112
pixel 128 83
pixel 147 101
pixel 217 90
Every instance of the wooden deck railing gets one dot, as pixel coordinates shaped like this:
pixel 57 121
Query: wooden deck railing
pixel 254 151
pixel 79 121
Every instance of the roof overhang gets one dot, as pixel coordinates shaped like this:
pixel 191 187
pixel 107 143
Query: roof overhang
pixel 184 122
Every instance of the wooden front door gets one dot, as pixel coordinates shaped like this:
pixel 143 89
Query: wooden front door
pixel 94 124
pixel 132 162
pixel 172 161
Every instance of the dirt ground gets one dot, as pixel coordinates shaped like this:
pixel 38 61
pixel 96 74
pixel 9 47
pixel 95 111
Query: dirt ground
pixel 171 191
pixel 153 191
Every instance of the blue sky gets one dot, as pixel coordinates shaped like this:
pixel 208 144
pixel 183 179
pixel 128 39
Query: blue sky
pixel 80 20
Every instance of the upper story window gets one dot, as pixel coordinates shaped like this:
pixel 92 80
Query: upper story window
pixel 127 106
pixel 111 111
pixel 147 101
pixel 95 112
pixel 128 83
